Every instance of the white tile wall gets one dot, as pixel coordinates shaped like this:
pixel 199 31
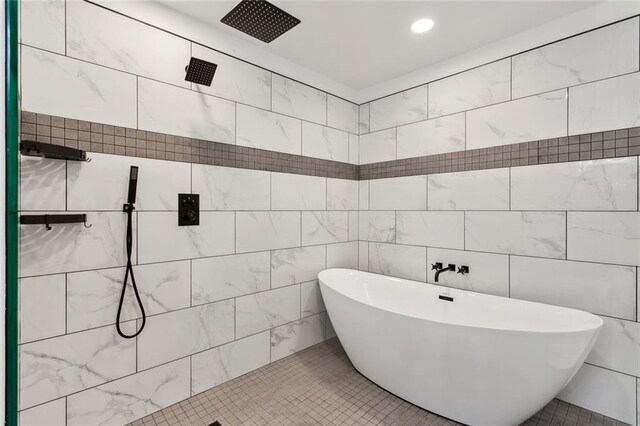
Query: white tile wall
pixel 324 142
pixel 168 109
pixel 443 134
pixel 42 307
pixel 342 114
pixel 234 80
pixel 472 190
pixel 51 413
pixel 404 193
pixel 42 24
pixel 586 185
pixel 342 194
pixel 102 95
pixel 354 149
pixel 257 231
pixel 152 53
pixel 593 287
pixel 42 184
pixel 398 260
pixel 298 192
pixel 225 188
pixel 539 234
pixel 610 237
pixel 311 300
pixel 343 255
pixel 401 108
pixel 618 347
pixel 295 336
pixel 377 226
pixel 298 100
pixel 262 311
pixel 485 85
pixel 296 265
pixel 378 146
pixel 605 105
pixel 257 128
pixel 536 117
pixel 363 118
pixel 324 227
pixel 604 53
pixel 434 229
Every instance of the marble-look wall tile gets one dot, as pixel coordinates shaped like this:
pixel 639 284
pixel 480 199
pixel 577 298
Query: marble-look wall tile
pixel 42 307
pixel 444 134
pixel 258 128
pixel 342 114
pixel 102 184
pixel 606 52
pixel 526 233
pixel 72 247
pixel 213 237
pixel 42 184
pixel 132 397
pixel 398 109
pixel 363 195
pixel 298 192
pixel 218 278
pixel 52 413
pixel 93 296
pixel 99 94
pixel 343 255
pixel 329 331
pixel 378 146
pixel 593 287
pixel 618 347
pixel 523 120
pixel 434 229
pixel 363 256
pixel 354 149
pixel 181 333
pixel 257 231
pixel 353 225
pixel 298 100
pixel 379 226
pixel 324 142
pixel 489 273
pixel 605 105
pixel 403 193
pixel 324 227
pixel 67 364
pixel 610 184
pixel 262 311
pixel 42 24
pixel 168 109
pixel 296 265
pixel 235 80
pixel 485 85
pixel 227 188
pixel 604 391
pixel 397 260
pixel 472 190
pixel 604 237
pixel 152 53
pixel 363 118
pixel 293 337
pixel 218 365
pixel 311 299
pixel 342 194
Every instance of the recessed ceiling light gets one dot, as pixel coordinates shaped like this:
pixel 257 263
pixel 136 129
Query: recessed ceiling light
pixel 422 25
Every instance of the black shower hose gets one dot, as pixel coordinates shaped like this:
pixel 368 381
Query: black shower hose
pixel 128 208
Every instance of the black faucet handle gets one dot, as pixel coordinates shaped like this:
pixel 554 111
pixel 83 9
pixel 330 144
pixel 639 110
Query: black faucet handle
pixel 463 270
pixel 436 266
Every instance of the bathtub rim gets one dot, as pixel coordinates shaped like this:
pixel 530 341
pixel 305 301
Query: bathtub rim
pixel 595 328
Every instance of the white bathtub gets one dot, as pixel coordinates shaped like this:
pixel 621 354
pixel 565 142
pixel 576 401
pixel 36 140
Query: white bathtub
pixel 479 360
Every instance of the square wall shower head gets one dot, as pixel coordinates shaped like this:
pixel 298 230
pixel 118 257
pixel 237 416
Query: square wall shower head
pixel 200 72
pixel 260 19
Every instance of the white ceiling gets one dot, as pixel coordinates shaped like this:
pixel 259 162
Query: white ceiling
pixel 364 43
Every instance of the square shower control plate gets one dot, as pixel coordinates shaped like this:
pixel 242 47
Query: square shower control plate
pixel 188 209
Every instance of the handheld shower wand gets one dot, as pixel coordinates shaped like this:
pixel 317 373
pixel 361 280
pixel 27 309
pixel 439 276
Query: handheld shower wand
pixel 128 208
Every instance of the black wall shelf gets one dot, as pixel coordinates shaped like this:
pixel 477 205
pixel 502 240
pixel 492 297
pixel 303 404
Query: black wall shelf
pixel 53 219
pixel 48 150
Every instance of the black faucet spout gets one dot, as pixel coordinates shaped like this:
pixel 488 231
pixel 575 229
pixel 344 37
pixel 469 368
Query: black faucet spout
pixel 451 267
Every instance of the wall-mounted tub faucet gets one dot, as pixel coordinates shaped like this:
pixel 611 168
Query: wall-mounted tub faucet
pixel 440 269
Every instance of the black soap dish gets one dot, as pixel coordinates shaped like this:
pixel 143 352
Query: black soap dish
pixel 48 150
pixel 53 219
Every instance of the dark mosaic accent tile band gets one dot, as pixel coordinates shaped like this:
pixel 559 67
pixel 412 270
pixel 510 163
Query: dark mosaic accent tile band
pixel 107 139
pixel 103 138
pixel 592 146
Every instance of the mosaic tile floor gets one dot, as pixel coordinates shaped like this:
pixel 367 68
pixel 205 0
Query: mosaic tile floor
pixel 318 386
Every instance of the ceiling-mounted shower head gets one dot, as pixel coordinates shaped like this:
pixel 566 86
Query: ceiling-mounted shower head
pixel 200 72
pixel 260 19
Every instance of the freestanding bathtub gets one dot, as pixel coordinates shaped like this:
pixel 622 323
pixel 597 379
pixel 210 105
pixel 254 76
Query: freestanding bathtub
pixel 478 359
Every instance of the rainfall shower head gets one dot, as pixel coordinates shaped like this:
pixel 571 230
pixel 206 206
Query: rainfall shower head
pixel 260 19
pixel 200 72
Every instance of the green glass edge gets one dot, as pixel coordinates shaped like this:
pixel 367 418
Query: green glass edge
pixel 12 123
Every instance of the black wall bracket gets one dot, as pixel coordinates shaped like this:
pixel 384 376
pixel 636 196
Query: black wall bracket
pixel 53 219
pixel 48 150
